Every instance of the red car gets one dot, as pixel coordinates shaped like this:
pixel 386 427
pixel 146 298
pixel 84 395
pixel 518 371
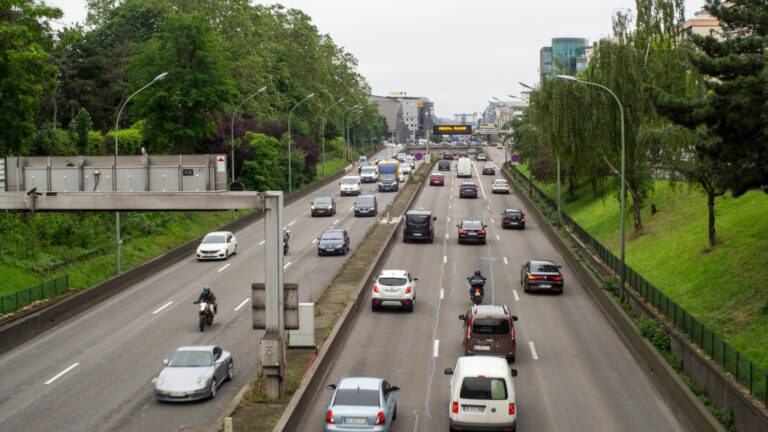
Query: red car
pixel 437 179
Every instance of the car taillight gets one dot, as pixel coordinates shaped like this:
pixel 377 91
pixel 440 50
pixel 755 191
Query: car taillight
pixel 408 289
pixel 455 407
pixel 512 409
pixel 329 417
pixel 522 219
pixel 481 232
pixel 533 277
pixel 375 288
pixel 463 232
pixel 506 218
pixel 469 328
pixel 380 419
pixel 556 278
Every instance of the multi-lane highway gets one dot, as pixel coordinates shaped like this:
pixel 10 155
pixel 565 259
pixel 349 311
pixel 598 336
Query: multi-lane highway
pixel 574 372
pixel 94 372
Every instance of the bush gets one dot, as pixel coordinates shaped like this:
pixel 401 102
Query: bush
pixel 130 141
pixel 654 332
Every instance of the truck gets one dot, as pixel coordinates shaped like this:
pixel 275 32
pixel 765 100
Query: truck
pixel 389 171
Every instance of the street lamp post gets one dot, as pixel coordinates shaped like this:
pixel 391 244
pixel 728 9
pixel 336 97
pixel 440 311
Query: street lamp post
pixel 349 137
pixel 530 170
pixel 323 129
pixel 343 124
pixel 114 177
pixel 622 194
pixel 232 127
pixel 290 178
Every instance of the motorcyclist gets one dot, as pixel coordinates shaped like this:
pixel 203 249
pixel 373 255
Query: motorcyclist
pixel 477 279
pixel 208 296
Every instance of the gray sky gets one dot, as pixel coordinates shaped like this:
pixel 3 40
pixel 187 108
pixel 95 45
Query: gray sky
pixel 458 53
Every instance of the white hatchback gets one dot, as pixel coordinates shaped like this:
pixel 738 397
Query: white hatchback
pixel 217 245
pixel 394 288
pixel 500 186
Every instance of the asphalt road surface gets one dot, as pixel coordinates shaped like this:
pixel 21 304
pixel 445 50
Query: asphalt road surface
pixel 95 372
pixel 574 372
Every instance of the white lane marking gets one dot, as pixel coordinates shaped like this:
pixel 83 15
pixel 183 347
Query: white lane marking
pixel 505 261
pixel 480 183
pixel 533 351
pixel 446 235
pixel 242 304
pixel 314 241
pixel 262 242
pixel 223 268
pixel 449 206
pixel 351 208
pixel 493 220
pixel 287 264
pixel 449 219
pixel 445 259
pixel 437 346
pixel 517 297
pixel 162 307
pixel 497 237
pixel 335 222
pixel 291 224
pixel 442 293
pixel 451 197
pixel 59 375
pixel 489 207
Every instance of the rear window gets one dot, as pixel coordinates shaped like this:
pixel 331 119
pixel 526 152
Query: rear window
pixel 356 397
pixel 393 281
pixel 483 388
pixel 545 268
pixel 490 326
pixel 513 213
pixel 417 219
pixel 472 225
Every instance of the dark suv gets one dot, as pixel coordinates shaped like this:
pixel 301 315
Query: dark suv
pixel 512 218
pixel 419 226
pixel 366 205
pixel 444 165
pixel 489 330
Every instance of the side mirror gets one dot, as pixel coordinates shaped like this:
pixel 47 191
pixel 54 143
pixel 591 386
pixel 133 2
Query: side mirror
pixel 458 226
pixel 165 362
pixel 559 266
pixel 462 317
pixel 448 371
pixel 513 372
pixel 434 218
pixel 395 388
pixel 415 279
pixel 331 386
pixel 514 317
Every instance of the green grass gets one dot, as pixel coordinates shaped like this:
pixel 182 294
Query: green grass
pixel 725 287
pixel 332 166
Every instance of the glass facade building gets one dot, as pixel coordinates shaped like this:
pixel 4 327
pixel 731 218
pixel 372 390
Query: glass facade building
pixel 566 56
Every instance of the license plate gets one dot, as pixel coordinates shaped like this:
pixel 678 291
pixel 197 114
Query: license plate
pixel 471 234
pixel 473 409
pixel 391 290
pixel 481 348
pixel 178 394
pixel 417 235
pixel 545 286
pixel 354 420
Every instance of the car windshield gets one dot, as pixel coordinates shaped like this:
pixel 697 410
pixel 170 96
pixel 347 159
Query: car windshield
pixel 348 181
pixel 213 239
pixel 365 201
pixel 500 182
pixel 356 397
pixel 369 170
pixel 417 219
pixel 190 359
pixel 323 201
pixel 545 268
pixel 490 326
pixel 333 236
pixel 483 388
pixel 393 281
pixel 476 225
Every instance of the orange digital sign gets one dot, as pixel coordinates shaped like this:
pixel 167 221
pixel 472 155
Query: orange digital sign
pixel 452 129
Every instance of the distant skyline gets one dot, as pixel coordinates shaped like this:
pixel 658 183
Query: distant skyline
pixel 457 53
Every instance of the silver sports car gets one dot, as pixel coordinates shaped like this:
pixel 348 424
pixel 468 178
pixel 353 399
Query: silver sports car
pixel 194 372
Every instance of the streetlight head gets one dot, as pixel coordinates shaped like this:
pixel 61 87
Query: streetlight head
pixel 513 96
pixel 261 90
pixel 566 77
pixel 525 85
pixel 160 77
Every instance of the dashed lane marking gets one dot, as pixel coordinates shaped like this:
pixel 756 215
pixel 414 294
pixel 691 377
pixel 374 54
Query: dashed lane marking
pixel 60 374
pixel 223 268
pixel 162 307
pixel 533 351
pixel 242 304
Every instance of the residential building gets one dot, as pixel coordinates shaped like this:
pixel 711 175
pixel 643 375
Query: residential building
pixel 392 110
pixel 702 24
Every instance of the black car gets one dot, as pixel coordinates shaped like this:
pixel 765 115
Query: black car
pixel 444 165
pixel 512 218
pixel 323 206
pixel 333 241
pixel 419 226
pixel 489 169
pixel 467 190
pixel 471 230
pixel 447 156
pixel 366 205
pixel 540 275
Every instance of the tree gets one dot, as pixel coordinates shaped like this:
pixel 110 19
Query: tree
pixel 263 172
pixel 180 110
pixel 25 70
pixel 79 129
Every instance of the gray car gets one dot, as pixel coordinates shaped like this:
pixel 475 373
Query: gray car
pixel 361 404
pixel 366 205
pixel 194 372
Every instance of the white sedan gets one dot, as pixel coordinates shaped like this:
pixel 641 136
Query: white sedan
pixel 500 186
pixel 217 245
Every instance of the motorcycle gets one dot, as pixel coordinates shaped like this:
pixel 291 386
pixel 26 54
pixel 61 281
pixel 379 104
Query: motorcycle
pixel 205 311
pixel 286 237
pixel 476 292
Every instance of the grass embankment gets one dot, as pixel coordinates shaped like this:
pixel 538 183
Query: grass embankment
pixel 726 287
pixel 255 413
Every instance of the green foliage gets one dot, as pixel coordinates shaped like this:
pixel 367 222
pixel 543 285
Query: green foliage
pixel 79 130
pixel 129 141
pixel 264 171
pixel 654 332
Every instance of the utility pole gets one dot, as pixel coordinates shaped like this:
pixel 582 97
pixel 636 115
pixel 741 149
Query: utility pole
pixel 273 343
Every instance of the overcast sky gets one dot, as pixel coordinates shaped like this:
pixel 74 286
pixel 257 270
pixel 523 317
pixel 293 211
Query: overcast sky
pixel 458 53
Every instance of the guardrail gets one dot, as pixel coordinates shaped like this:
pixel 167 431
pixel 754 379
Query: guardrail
pixel 742 369
pixel 42 291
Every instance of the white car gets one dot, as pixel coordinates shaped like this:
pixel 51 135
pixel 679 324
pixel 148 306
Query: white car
pixel 350 185
pixel 405 168
pixel 410 160
pixel 500 186
pixel 500 146
pixel 217 245
pixel 394 288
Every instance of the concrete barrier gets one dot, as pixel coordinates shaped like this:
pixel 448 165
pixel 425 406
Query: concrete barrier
pixel 26 326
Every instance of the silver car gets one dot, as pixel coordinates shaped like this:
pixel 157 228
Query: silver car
pixel 361 404
pixel 194 372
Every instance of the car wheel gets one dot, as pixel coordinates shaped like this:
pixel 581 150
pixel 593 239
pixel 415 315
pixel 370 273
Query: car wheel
pixel 409 308
pixel 432 239
pixel 394 414
pixel 235 252
pixel 482 242
pixel 213 388
pixel 511 359
pixel 230 370
pixel 374 308
pixel 226 255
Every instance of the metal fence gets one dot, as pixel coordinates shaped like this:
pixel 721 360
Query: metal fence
pixel 742 369
pixel 15 301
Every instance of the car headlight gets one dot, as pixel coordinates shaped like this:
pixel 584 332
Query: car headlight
pixel 223 250
pixel 201 380
pixel 330 207
pixel 158 381
pixel 313 207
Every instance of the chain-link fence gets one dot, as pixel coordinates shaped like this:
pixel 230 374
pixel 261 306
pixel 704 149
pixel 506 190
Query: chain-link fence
pixel 45 290
pixel 743 370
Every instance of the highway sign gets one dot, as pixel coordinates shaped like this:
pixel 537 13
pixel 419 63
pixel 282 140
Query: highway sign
pixel 515 158
pixel 452 129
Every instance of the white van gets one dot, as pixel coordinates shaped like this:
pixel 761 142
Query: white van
pixel 350 185
pixel 482 394
pixel 369 174
pixel 464 167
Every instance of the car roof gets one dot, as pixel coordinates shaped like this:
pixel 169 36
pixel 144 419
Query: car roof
pixel 490 310
pixel 325 197
pixel 366 196
pixel 500 180
pixel 364 383
pixel 463 221
pixel 482 365
pixel 393 273
pixel 512 210
pixel 218 233
pixel 328 231
pixel 468 183
pixel 438 174
pixel 350 177
pixel 195 348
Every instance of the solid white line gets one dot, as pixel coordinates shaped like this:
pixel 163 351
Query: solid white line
pixel 446 235
pixel 242 304
pixel 223 268
pixel 533 351
pixel 517 298
pixel 497 237
pixel 335 222
pixel 442 293
pixel 437 346
pixel 505 261
pixel 162 307
pixel 445 259
pixel 480 183
pixel 291 224
pixel 314 241
pixel 287 264
pixel 262 242
pixel 62 373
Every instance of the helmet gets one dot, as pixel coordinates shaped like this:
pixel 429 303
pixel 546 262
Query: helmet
pixel 477 272
pixel 207 289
